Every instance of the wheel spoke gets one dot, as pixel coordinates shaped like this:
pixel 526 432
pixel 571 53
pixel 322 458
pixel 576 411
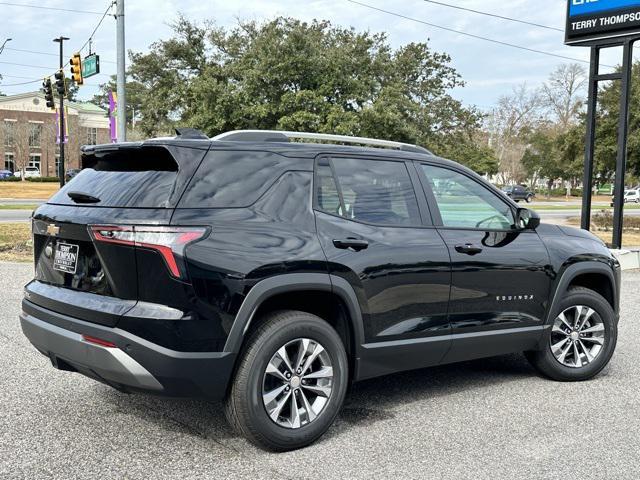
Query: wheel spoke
pixel 275 371
pixel 577 360
pixel 275 412
pixel 311 415
pixel 302 351
pixel 324 372
pixel 586 351
pixel 273 394
pixel 585 318
pixel 556 348
pixel 598 327
pixel 323 391
pixel 317 350
pixel 598 340
pixel 282 353
pixel 576 320
pixel 564 352
pixel 556 329
pixel 564 320
pixel 294 417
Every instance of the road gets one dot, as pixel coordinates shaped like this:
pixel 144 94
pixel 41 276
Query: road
pixel 488 419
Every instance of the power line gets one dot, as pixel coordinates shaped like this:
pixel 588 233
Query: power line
pixel 477 37
pixel 502 17
pixel 49 8
pixel 46 53
pixel 27 65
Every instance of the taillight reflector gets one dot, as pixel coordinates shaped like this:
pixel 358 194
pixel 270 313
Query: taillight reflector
pixel 98 341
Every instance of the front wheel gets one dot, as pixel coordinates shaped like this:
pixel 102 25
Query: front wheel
pixel 290 383
pixel 529 199
pixel 581 339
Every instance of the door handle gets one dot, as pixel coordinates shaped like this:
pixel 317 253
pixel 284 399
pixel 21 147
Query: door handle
pixel 468 249
pixel 356 244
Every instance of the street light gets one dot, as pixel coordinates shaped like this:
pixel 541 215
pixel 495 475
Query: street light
pixel 4 43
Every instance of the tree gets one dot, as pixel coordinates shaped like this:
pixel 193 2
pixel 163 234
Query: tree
pixel 509 124
pixel 293 75
pixel 563 94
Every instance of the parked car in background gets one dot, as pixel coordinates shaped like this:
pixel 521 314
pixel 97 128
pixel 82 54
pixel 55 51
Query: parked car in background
pixel 29 172
pixel 519 192
pixel 632 196
pixel 5 174
pixel 72 172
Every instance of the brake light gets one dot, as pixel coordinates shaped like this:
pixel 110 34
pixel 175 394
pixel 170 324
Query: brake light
pixel 169 242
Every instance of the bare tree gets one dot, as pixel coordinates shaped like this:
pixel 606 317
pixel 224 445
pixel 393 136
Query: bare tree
pixel 21 135
pixel 564 93
pixel 514 116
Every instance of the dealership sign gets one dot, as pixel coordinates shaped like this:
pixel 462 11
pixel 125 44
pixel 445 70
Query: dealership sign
pixel 589 20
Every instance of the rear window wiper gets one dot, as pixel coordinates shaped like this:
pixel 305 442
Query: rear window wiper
pixel 80 197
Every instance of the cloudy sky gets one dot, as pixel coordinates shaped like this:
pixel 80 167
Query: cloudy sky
pixel 489 69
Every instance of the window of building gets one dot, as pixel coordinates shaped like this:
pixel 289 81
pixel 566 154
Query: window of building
pixel 371 191
pixel 9 162
pixel 35 134
pixel 92 136
pixel 57 165
pixel 9 133
pixel 465 203
pixel 34 160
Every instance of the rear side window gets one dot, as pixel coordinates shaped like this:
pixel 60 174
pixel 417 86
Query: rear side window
pixel 137 177
pixel 370 191
pixel 236 178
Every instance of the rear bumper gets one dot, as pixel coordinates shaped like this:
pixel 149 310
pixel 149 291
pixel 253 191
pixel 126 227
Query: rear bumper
pixel 134 364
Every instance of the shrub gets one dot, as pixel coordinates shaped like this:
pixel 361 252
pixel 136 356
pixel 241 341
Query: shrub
pixel 43 179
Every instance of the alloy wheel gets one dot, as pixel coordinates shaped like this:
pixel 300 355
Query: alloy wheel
pixel 297 383
pixel 577 336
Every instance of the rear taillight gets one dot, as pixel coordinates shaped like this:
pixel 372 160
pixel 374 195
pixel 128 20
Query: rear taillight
pixel 169 242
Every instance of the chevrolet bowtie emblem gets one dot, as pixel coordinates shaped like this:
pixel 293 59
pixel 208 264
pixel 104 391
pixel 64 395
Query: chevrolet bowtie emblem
pixel 53 230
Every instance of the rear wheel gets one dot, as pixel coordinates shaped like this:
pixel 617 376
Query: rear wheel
pixel 581 340
pixel 290 383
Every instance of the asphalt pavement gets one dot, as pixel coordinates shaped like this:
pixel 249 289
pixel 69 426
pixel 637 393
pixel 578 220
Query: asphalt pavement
pixel 492 418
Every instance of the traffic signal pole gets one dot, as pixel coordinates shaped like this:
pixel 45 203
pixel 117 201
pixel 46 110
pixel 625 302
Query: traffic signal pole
pixel 61 116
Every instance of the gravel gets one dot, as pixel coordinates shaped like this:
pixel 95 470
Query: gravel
pixel 492 418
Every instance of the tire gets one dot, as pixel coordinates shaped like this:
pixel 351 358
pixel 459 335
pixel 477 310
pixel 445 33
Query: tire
pixel 603 319
pixel 529 199
pixel 245 408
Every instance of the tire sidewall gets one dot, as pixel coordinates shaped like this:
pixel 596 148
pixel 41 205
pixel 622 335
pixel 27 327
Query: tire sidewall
pixel 606 313
pixel 305 326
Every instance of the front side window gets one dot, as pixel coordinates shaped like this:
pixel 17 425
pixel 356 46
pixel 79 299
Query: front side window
pixel 370 191
pixel 9 163
pixel 465 203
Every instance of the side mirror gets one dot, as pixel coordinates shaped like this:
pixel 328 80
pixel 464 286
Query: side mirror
pixel 527 219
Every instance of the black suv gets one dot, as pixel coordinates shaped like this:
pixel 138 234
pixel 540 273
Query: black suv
pixel 272 274
pixel 519 192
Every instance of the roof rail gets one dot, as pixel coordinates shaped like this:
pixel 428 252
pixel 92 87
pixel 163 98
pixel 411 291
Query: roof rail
pixel 286 136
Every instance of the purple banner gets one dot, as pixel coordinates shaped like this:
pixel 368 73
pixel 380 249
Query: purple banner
pixel 113 112
pixel 56 115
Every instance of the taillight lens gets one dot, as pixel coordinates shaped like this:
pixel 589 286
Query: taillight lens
pixel 170 242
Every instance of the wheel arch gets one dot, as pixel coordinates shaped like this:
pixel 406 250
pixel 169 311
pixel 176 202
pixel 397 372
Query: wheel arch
pixel 309 292
pixel 596 276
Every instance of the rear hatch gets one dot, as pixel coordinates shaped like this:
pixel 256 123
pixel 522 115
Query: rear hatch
pixel 86 237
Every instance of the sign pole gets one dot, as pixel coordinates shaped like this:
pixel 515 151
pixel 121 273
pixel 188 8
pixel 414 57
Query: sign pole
pixel 621 160
pixel 587 182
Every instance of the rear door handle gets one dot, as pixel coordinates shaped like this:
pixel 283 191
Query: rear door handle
pixel 356 244
pixel 468 249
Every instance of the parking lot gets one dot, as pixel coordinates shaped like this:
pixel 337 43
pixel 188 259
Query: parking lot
pixel 491 418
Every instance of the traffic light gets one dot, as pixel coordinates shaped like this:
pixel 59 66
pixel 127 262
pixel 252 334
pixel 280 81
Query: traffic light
pixel 60 82
pixel 47 88
pixel 76 68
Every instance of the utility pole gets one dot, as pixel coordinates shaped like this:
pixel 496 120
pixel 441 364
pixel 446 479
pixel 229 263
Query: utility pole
pixel 61 40
pixel 120 79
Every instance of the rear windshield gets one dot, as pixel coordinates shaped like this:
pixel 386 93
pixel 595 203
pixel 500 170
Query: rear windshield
pixel 142 178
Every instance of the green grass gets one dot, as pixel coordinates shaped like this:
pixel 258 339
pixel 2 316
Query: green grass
pixel 18 206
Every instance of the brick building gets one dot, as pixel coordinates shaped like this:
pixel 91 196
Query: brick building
pixel 28 133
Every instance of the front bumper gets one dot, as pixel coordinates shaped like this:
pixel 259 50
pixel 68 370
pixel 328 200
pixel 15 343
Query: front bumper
pixel 134 364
